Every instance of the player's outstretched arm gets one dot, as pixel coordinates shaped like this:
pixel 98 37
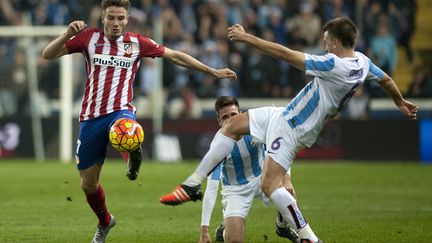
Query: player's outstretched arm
pixel 56 48
pixel 296 58
pixel 407 108
pixel 186 60
pixel 209 201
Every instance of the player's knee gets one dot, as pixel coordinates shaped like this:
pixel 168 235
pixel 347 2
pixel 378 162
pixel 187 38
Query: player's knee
pixel 88 188
pixel 228 129
pixel 232 238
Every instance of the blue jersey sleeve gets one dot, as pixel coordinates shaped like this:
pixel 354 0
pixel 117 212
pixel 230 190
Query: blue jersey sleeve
pixel 375 73
pixel 319 66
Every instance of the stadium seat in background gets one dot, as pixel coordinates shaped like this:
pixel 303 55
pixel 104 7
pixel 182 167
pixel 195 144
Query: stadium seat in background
pixel 421 44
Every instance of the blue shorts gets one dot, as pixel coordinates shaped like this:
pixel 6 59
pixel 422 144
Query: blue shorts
pixel 93 138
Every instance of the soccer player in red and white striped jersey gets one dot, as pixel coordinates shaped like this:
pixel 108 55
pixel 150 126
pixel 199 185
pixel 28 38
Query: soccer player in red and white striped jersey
pixel 113 56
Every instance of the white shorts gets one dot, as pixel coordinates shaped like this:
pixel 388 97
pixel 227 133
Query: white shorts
pixel 267 125
pixel 237 199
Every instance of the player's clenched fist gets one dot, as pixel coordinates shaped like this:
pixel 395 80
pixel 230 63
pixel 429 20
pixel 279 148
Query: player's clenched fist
pixel 236 33
pixel 224 73
pixel 75 27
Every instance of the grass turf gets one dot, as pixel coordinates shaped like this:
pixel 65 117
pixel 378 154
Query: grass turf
pixel 343 202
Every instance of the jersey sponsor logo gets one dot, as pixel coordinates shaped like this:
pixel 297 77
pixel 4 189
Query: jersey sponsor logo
pixel 112 61
pixel 127 47
pixel 356 73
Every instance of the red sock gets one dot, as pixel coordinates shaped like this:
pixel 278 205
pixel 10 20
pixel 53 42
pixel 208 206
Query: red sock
pixel 96 200
pixel 125 156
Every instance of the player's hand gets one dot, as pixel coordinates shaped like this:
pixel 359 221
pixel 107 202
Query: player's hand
pixel 75 27
pixel 236 33
pixel 408 109
pixel 225 73
pixel 204 236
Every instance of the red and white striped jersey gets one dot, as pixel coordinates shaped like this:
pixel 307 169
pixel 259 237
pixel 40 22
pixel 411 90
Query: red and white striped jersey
pixel 111 69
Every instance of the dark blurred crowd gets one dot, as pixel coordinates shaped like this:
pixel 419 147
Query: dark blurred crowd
pixel 200 29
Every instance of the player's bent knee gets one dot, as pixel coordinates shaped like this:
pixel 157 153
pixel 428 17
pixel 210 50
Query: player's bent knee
pixel 236 126
pixel 88 188
pixel 232 238
pixel 228 130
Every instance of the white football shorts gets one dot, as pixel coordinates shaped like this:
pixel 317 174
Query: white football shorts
pixel 237 199
pixel 267 125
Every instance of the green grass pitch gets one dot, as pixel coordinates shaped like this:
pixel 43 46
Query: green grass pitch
pixel 343 202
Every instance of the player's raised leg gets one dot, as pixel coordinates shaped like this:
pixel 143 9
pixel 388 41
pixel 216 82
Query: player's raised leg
pixel 126 136
pixel 134 164
pixel 190 190
pixel 221 146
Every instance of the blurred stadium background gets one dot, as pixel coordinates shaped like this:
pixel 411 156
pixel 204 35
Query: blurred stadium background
pixel 39 100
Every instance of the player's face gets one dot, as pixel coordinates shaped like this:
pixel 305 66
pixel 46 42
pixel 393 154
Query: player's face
pixel 226 113
pixel 330 43
pixel 114 20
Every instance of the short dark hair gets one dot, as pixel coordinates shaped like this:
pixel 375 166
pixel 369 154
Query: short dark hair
pixel 117 3
pixel 342 29
pixel 225 101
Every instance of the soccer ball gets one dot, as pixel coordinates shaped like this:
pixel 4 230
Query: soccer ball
pixel 126 135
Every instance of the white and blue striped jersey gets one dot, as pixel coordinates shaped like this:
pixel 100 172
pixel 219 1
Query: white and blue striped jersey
pixel 242 165
pixel 335 81
pixel 239 171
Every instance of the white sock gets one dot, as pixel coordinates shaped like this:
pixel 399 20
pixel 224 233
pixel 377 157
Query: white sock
pixel 287 206
pixel 220 148
pixel 307 233
pixel 194 180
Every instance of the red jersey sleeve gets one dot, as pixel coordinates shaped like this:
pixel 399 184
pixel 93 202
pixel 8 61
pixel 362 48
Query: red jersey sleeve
pixel 79 42
pixel 149 48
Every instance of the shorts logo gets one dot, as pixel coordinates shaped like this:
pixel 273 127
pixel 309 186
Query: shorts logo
pixel 77 160
pixel 127 47
pixel 276 143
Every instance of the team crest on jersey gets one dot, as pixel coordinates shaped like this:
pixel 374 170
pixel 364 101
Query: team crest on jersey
pixel 127 47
